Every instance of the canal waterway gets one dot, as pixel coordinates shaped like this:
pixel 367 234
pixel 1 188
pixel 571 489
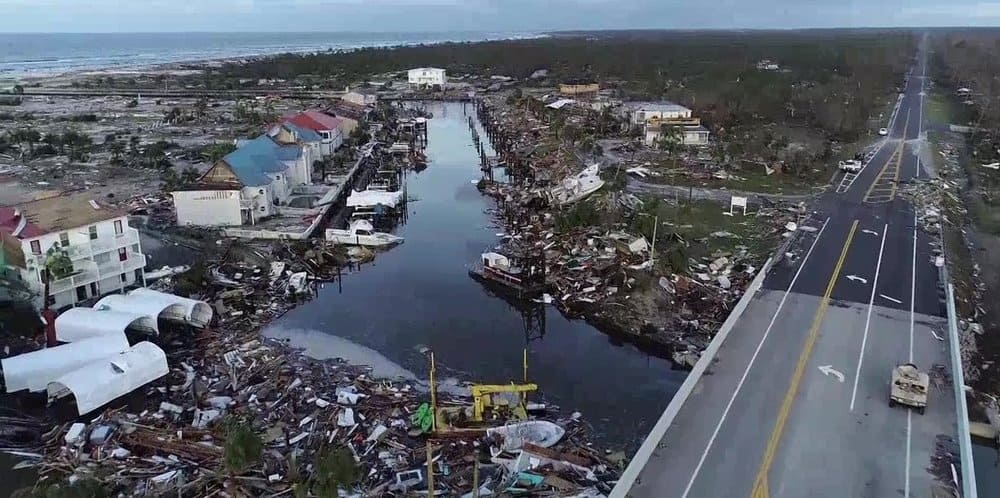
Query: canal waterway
pixel 419 295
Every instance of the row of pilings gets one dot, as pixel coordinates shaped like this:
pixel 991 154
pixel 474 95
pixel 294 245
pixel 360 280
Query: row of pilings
pixel 503 141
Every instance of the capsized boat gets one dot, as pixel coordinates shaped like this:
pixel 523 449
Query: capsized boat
pixel 578 186
pixel 361 233
pixel 537 432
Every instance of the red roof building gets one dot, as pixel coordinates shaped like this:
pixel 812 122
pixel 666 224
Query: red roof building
pixel 314 120
pixel 11 219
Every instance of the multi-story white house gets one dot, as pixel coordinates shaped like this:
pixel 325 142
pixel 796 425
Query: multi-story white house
pixel 640 113
pixel 427 76
pixel 105 252
pixel 332 130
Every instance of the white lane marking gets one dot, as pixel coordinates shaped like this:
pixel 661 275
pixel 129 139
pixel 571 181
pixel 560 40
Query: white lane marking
pixel 936 336
pixel 887 298
pixel 913 286
pixel 913 300
pixel 868 321
pixel 870 232
pixel 739 385
pixel 828 370
pixel 855 278
pixel 909 431
pixel 846 182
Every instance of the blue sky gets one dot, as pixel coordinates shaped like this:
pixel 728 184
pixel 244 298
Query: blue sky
pixel 480 15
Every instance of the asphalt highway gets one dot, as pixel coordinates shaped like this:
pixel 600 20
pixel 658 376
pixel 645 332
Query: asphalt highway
pixel 796 403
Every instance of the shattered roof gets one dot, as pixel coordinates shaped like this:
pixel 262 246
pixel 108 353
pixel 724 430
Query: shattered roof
pixel 55 214
pixel 255 158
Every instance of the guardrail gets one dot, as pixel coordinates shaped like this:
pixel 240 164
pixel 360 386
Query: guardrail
pixel 641 457
pixel 968 484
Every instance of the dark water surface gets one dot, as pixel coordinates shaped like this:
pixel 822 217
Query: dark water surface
pixel 420 294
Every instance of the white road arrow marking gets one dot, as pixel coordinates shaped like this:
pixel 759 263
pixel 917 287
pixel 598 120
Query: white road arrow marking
pixel 870 232
pixel 936 336
pixel 828 370
pixel 887 298
pixel 855 278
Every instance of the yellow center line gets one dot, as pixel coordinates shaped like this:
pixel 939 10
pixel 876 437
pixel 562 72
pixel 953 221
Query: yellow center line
pixel 760 488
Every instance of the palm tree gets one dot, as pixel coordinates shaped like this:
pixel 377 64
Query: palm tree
pixel 31 137
pixel 116 149
pixel 53 140
pixel 190 175
pixel 133 146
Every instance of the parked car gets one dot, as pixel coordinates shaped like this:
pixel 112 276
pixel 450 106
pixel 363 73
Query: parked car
pixel 850 165
pixel 883 131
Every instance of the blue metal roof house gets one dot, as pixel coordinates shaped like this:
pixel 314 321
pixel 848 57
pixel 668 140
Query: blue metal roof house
pixel 249 183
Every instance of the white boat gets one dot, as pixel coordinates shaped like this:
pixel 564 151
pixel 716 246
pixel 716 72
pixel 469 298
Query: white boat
pixel 372 198
pixel 361 233
pixel 297 283
pixel 537 432
pixel 578 186
pixel 166 271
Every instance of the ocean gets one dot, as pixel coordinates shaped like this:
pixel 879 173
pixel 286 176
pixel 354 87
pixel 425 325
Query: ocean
pixel 38 54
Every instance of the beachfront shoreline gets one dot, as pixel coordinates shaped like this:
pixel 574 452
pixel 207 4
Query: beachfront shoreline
pixel 171 67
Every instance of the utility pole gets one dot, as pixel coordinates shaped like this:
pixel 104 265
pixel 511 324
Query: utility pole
pixel 652 246
pixel 430 469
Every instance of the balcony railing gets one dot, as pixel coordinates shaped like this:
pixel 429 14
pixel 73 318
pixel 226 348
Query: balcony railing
pixel 80 277
pixel 102 244
pixel 135 261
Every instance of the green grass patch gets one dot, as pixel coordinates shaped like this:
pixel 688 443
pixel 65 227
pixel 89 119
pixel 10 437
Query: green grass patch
pixel 702 229
pixel 751 179
pixel 937 109
pixel 941 108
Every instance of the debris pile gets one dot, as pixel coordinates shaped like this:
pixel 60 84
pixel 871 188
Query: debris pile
pixel 248 417
pixel 595 265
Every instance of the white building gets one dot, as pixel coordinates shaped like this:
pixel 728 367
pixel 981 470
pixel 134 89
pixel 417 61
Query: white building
pixel 331 130
pixel 361 96
pixel 250 183
pixel 427 76
pixel 641 112
pixel 105 252
pixel 692 135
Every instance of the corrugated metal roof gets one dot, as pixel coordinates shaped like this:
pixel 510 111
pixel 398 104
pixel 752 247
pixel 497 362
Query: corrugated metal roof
pixel 664 106
pixel 302 133
pixel 255 158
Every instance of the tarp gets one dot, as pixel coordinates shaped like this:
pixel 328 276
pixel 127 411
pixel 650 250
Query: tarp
pixel 369 198
pixel 194 312
pixel 33 371
pixel 80 323
pixel 98 383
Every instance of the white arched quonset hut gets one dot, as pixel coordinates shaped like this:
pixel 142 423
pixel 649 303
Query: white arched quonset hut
pixel 98 383
pixel 175 308
pixel 80 323
pixel 33 371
